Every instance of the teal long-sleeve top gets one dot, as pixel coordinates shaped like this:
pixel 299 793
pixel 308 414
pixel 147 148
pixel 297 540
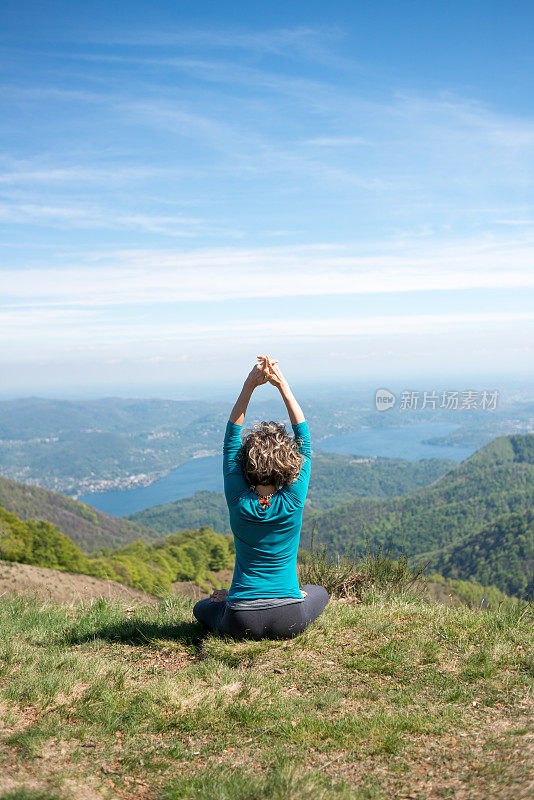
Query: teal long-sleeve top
pixel 266 539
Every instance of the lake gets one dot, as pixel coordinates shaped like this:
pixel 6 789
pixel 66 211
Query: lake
pixel 404 442
pixel 205 473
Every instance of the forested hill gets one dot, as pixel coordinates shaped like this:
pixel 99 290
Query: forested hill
pixel 496 480
pixel 88 528
pixel 335 479
pixel 501 554
pixel 202 508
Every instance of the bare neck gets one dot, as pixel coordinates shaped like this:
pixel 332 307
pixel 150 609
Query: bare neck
pixel 265 489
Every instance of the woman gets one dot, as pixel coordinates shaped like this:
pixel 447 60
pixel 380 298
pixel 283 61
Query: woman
pixel 265 483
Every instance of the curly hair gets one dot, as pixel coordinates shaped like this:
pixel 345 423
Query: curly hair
pixel 270 456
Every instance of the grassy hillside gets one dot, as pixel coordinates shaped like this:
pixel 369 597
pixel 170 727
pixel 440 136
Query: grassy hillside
pixel 335 479
pixel 501 554
pixel 152 567
pixel 88 528
pixel 389 698
pixel 496 480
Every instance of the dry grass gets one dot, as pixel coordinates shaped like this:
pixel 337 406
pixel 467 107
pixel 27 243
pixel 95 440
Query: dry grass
pixel 63 587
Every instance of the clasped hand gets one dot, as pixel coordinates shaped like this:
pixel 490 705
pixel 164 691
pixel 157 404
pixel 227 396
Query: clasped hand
pixel 265 371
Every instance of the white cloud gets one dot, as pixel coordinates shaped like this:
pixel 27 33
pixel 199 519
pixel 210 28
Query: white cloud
pixel 160 276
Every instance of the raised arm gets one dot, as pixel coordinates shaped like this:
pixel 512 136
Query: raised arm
pixel 256 376
pixel 277 379
pixel 295 492
pixel 234 482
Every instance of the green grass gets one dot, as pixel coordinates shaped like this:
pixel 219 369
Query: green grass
pixel 377 699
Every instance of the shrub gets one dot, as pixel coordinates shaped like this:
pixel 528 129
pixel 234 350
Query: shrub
pixel 348 575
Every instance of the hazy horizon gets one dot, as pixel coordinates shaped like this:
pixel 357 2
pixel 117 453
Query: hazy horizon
pixel 203 390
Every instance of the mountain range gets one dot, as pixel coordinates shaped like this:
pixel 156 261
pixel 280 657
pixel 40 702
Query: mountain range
pixel 475 521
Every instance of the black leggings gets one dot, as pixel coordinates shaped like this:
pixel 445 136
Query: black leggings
pixel 277 622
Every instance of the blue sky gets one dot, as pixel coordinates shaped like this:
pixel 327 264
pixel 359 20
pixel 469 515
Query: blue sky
pixel 347 186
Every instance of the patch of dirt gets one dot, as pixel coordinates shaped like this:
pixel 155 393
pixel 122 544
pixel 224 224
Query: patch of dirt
pixel 190 589
pixel 36 778
pixel 64 587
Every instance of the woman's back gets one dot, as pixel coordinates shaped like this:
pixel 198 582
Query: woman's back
pixel 266 537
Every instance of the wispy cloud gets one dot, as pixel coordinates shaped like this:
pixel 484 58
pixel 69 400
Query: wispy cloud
pixel 337 141
pixel 212 274
pixel 295 42
pixel 528 222
pixel 65 217
pixel 89 328
pixel 405 148
pixel 33 174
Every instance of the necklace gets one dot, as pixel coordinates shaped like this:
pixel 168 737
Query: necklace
pixel 264 498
